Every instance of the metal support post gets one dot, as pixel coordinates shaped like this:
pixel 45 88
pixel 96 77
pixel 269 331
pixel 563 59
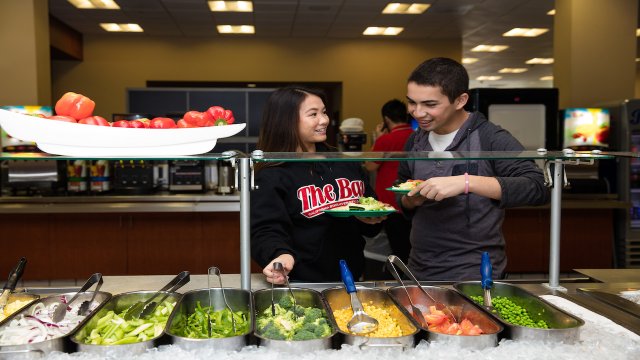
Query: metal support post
pixel 556 206
pixel 245 231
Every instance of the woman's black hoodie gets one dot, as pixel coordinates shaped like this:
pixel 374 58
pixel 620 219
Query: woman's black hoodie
pixel 287 217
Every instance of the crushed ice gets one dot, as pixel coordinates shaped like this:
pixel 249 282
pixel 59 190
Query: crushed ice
pixel 600 338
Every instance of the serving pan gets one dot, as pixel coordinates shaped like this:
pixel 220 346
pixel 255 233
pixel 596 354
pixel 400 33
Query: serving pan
pixel 27 298
pixel 303 297
pixel 239 300
pixel 460 306
pixel 563 327
pixel 615 297
pixel 118 304
pixel 337 298
pixel 38 349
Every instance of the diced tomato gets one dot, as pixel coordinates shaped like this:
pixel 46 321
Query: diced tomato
pixel 435 319
pixel 62 118
pixel 75 105
pixel 162 123
pixel 94 120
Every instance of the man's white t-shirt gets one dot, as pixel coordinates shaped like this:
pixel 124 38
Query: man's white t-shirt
pixel 440 142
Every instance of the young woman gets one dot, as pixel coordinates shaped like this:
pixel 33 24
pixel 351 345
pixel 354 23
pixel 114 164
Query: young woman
pixel 288 224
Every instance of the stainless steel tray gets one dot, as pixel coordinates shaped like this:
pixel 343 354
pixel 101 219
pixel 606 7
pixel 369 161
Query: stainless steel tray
pixel 39 349
pixel 118 304
pixel 611 296
pixel 563 327
pixel 460 306
pixel 238 299
pixel 337 298
pixel 304 297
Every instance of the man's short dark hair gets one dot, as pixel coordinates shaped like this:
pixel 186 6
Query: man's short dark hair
pixel 446 73
pixel 395 110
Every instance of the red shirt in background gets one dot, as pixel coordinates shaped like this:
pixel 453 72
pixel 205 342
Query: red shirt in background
pixel 388 170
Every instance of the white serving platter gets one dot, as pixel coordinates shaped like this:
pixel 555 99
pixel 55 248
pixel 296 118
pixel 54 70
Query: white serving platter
pixel 65 138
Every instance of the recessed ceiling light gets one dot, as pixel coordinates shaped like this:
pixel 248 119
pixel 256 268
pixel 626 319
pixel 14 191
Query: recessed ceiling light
pixel 637 32
pixel 547 78
pixel 95 4
pixel 404 8
pixel 235 6
pixel 236 29
pixel 488 78
pixel 113 27
pixel 388 31
pixel 526 32
pixel 551 12
pixel 469 60
pixel 512 70
pixel 489 48
pixel 535 61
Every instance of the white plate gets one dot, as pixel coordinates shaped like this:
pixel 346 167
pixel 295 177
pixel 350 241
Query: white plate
pixel 65 138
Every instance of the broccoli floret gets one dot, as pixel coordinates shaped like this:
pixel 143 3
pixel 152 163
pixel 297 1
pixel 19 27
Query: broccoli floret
pixel 270 329
pixel 312 314
pixel 322 330
pixel 299 310
pixel 286 302
pixel 322 321
pixel 304 335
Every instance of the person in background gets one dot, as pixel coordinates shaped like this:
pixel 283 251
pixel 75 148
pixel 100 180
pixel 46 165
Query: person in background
pixel 392 134
pixel 457 212
pixel 288 224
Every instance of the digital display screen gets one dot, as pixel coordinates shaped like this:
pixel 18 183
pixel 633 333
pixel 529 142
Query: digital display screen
pixel 586 128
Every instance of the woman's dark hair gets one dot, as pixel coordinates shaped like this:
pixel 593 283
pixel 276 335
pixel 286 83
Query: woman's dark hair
pixel 280 117
pixel 446 73
pixel 395 110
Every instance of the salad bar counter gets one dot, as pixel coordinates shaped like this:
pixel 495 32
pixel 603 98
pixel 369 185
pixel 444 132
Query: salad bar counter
pixel 202 322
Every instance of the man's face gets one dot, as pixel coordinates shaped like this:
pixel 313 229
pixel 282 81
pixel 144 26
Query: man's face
pixel 432 109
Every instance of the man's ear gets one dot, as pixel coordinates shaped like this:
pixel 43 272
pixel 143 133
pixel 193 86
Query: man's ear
pixel 461 101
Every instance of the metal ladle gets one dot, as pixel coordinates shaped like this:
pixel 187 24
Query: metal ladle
pixel 487 281
pixel 360 322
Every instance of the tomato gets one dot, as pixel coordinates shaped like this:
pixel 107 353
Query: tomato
pixel 195 118
pixel 62 118
pixel 75 105
pixel 435 319
pixel 162 123
pixel 120 123
pixel 137 124
pixel 183 124
pixel 94 120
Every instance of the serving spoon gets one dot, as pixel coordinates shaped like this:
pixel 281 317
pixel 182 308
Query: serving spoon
pixel 360 322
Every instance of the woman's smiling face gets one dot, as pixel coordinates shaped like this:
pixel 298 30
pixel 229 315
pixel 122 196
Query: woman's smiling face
pixel 313 122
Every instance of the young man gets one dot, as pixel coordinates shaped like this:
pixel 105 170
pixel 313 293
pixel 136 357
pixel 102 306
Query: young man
pixel 393 134
pixel 457 212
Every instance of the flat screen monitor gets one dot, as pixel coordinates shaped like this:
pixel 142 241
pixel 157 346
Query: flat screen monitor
pixel 586 128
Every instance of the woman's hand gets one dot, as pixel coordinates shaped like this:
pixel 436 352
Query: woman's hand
pixel 276 277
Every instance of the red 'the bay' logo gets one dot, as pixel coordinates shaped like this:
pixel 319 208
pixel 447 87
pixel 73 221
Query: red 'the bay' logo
pixel 314 199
